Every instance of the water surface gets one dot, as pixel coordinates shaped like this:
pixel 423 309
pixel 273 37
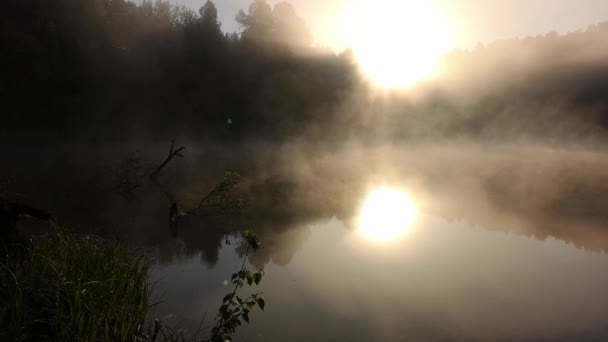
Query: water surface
pixel 509 244
pixel 442 281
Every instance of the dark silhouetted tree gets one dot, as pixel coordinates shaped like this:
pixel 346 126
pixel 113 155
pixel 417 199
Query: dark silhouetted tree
pixel 209 20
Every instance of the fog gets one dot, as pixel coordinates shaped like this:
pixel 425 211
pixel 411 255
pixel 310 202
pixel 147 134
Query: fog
pixel 507 141
pixel 515 127
pixel 171 73
pixel 529 190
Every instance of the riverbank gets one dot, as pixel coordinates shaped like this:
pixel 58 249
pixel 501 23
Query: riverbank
pixel 66 288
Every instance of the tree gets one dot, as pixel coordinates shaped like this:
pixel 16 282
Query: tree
pixel 208 19
pixel 289 27
pixel 280 24
pixel 258 23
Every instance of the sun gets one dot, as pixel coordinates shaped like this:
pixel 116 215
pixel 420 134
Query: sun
pixel 396 42
pixel 386 214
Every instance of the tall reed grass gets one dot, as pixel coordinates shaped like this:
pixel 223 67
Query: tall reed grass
pixel 65 288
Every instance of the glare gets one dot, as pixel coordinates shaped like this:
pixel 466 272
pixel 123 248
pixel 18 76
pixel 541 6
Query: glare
pixel 386 214
pixel 396 43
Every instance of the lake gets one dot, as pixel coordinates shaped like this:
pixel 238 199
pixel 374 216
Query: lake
pixel 443 281
pixel 508 242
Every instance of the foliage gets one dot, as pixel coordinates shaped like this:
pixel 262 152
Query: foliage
pixel 234 309
pixel 208 18
pixel 222 195
pixel 58 287
pixel 80 59
pixel 264 23
pixel 105 70
pixel 72 289
pixel 289 27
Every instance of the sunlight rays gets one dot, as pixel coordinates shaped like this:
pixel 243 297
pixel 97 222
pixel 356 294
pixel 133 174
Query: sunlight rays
pixel 396 43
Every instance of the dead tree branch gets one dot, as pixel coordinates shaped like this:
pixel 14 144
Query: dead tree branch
pixel 172 154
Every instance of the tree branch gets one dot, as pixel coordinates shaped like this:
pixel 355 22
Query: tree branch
pixel 172 154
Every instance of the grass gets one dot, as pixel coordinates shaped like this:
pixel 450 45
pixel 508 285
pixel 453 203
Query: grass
pixel 65 288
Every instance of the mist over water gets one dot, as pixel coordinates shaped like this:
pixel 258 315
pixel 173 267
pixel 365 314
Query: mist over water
pixel 503 155
pixel 509 242
pixel 533 190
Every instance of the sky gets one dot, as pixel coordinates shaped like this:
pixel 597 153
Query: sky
pixel 471 21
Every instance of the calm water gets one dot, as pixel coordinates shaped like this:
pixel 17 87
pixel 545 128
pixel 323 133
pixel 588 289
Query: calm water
pixel 442 281
pixel 508 244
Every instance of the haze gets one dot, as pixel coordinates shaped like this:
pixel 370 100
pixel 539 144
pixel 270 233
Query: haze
pixel 400 170
pixel 473 21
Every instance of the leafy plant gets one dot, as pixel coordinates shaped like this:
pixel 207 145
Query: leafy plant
pixel 235 309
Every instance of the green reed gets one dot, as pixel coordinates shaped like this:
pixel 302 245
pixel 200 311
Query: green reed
pixel 66 288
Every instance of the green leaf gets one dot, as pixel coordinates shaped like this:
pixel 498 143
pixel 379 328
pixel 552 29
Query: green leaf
pixel 257 278
pixel 227 297
pixel 246 318
pixel 261 303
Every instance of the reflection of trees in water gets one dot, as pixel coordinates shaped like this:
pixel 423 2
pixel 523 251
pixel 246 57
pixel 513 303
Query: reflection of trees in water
pixel 532 192
pixel 281 237
pixel 192 241
pixel 539 193
pixel 280 244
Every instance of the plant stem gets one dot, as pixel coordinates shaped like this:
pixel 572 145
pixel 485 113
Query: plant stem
pixel 236 286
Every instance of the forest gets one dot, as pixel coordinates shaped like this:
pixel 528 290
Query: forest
pixel 113 70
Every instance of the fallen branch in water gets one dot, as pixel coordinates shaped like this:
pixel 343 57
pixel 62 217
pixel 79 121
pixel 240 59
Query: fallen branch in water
pixel 172 154
pixel 219 197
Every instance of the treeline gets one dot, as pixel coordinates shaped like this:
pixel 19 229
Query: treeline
pixel 548 87
pixel 111 69
pixel 105 70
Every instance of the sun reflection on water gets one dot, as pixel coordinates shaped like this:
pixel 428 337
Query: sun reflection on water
pixel 386 214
